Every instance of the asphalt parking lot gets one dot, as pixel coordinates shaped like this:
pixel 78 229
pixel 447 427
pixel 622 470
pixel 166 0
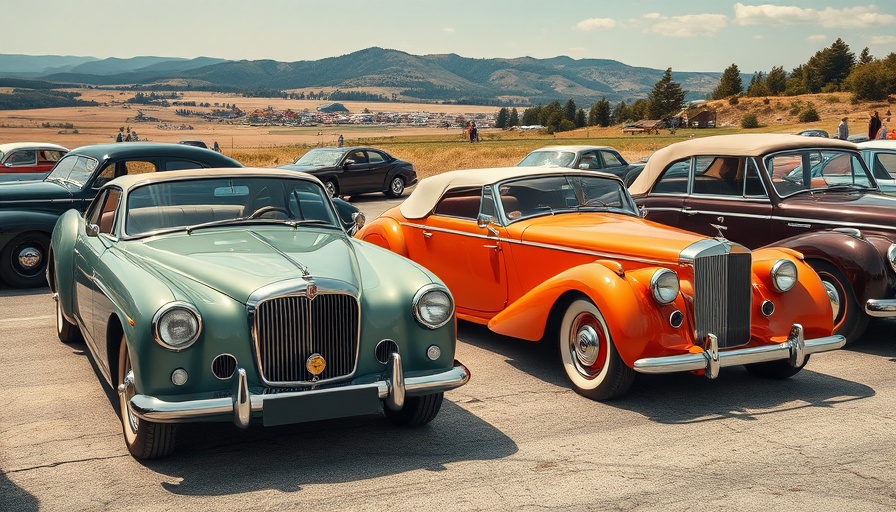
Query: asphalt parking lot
pixel 515 438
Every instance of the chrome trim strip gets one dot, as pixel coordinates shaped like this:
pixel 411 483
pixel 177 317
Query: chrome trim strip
pixel 881 308
pixel 161 411
pixel 794 350
pixel 799 220
pixel 600 255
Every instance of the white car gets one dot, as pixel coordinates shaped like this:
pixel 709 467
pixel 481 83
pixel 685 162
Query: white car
pixel 880 157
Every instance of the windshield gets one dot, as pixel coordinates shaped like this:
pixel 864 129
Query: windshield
pixel 817 171
pixel 74 169
pixel 321 157
pixel 215 201
pixel 550 195
pixel 548 158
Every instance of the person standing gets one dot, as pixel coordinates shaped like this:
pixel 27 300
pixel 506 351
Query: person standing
pixel 873 126
pixel 120 137
pixel 339 141
pixel 843 129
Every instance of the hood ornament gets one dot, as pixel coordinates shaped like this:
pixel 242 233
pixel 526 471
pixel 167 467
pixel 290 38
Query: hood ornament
pixel 720 228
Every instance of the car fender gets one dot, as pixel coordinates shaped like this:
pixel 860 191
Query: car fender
pixel 13 222
pixel 631 317
pixel 62 247
pixel 385 232
pixel 857 258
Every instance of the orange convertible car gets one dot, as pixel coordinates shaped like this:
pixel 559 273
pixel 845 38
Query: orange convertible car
pixel 564 256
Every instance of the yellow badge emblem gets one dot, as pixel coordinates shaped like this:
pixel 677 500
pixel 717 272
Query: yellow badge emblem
pixel 315 364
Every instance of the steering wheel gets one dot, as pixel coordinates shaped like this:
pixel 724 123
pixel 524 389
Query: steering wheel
pixel 267 209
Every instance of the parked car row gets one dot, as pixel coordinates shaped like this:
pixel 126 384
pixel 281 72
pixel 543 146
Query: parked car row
pixel 215 292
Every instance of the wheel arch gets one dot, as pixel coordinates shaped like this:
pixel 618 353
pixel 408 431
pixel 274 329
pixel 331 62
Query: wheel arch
pixel 385 232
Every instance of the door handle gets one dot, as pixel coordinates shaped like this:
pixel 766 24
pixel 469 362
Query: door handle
pixel 427 234
pixel 687 210
pixel 494 247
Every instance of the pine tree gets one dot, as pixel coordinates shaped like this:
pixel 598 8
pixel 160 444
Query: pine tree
pixel 776 81
pixel 666 98
pixel 514 119
pixel 569 111
pixel 730 84
pixel 865 57
pixel 501 118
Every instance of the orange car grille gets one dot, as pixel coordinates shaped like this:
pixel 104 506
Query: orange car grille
pixel 288 330
pixel 722 298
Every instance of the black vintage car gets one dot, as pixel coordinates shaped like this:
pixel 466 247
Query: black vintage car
pixel 29 209
pixel 357 170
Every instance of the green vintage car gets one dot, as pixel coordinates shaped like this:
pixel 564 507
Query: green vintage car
pixel 236 295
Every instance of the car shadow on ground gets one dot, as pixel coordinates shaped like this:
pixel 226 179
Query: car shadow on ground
pixel 13 497
pixel 288 458
pixel 684 397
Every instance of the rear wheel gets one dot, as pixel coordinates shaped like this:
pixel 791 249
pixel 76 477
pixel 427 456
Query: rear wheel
pixel 144 439
pixel 396 187
pixel 589 356
pixel 24 260
pixel 417 410
pixel 849 319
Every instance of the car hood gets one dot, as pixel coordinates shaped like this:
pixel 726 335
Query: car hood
pixel 607 235
pixel 307 168
pixel 32 190
pixel 236 262
pixel 854 208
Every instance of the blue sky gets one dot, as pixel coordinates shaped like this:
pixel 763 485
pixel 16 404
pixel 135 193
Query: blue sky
pixel 686 35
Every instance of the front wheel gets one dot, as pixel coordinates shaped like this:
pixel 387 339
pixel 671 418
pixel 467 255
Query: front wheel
pixel 417 410
pixel 775 369
pixel 65 330
pixel 849 319
pixel 23 260
pixel 332 187
pixel 396 187
pixel 144 439
pixel 589 356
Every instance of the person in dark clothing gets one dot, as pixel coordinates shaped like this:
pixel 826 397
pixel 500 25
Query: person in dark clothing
pixel 873 125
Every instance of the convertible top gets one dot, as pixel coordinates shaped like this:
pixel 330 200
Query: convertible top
pixel 132 180
pixel 427 193
pixel 748 144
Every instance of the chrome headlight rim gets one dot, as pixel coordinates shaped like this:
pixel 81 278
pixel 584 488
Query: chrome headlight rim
pixel 421 294
pixel 168 308
pixel 891 256
pixel 778 273
pixel 660 286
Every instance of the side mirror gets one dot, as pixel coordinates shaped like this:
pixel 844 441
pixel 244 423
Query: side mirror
pixel 92 230
pixel 483 220
pixel 584 166
pixel 359 219
pixel 348 162
pixel 643 211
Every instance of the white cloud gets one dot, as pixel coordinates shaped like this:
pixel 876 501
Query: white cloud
pixel 653 16
pixel 691 25
pixel 847 17
pixel 883 40
pixel 594 24
pixel 448 30
pixel 817 37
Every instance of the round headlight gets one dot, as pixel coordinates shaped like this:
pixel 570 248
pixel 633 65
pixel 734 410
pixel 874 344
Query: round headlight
pixel 176 325
pixel 433 306
pixel 891 256
pixel 783 275
pixel 664 285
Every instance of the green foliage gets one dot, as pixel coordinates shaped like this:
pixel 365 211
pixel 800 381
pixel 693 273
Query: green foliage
pixel 795 107
pixel 666 99
pixel 566 125
pixel 733 100
pixel 580 118
pixel 514 119
pixel 569 110
pixel 874 80
pixel 809 114
pixel 776 81
pixel 730 84
pixel 749 121
pixel 501 118
pixel 600 113
pixel 22 99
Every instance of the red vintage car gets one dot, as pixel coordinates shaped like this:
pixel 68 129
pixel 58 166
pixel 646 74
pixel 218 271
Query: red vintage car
pixel 564 256
pixel 810 194
pixel 29 157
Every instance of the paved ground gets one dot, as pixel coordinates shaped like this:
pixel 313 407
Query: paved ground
pixel 514 438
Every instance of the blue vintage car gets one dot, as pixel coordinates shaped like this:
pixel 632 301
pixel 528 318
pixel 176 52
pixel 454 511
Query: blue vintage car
pixel 236 295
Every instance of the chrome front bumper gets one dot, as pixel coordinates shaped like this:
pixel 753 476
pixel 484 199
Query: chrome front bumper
pixel 241 405
pixel 795 350
pixel 881 308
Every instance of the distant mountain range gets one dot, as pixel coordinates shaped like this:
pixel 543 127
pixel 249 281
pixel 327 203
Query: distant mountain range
pixel 430 78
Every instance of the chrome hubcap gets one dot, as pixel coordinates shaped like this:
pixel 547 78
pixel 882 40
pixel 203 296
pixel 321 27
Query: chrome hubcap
pixel 833 296
pixel 29 258
pixel 587 346
pixel 396 185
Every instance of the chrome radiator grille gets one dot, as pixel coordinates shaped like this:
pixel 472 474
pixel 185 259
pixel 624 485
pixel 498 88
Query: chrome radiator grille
pixel 290 329
pixel 722 298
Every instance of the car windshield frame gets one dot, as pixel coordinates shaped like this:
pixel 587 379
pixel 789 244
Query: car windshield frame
pixel 78 173
pixel 794 180
pixel 192 203
pixel 552 194
pixel 551 158
pixel 320 157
